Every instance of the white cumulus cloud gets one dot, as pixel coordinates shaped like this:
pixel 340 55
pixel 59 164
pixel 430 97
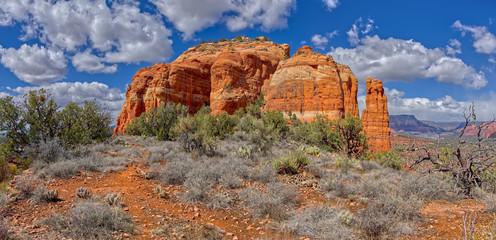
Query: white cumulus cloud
pixel 331 4
pixel 454 47
pixel 35 64
pixel 360 28
pixel 405 60
pixel 87 62
pixel 190 16
pixel 116 30
pixel 320 41
pixel 484 41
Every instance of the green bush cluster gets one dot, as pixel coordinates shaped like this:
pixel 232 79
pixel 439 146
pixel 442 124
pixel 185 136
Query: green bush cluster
pixel 344 134
pixel 263 128
pixel 158 122
pixel 319 132
pixel 199 132
pixel 353 139
pixel 392 159
pixel 83 124
pixel 37 120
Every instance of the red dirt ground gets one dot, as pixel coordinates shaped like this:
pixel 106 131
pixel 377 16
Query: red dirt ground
pixel 443 219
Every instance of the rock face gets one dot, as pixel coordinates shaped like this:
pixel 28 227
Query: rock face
pixel 375 118
pixel 225 75
pixel 230 74
pixel 309 83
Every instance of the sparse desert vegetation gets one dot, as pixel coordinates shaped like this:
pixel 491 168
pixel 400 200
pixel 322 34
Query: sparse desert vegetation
pixel 250 175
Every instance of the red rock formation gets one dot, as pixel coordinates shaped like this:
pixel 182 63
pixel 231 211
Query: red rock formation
pixel 309 83
pixel 488 131
pixel 225 75
pixel 350 89
pixel 230 74
pixel 375 118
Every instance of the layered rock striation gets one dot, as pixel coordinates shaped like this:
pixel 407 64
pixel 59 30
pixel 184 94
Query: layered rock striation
pixel 310 83
pixel 375 118
pixel 230 74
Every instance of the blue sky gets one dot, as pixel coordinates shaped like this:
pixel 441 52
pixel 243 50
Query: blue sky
pixel 435 57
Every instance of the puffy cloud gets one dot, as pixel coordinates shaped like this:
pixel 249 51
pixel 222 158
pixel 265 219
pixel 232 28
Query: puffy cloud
pixel 454 47
pixel 87 62
pixel 190 16
pixel 118 30
pixel 66 92
pixel 270 14
pixel 405 60
pixel 358 28
pixel 484 41
pixel 331 4
pixel 321 41
pixel 35 64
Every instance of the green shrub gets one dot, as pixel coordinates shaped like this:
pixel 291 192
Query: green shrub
pixel 40 113
pixel 37 120
pixel 290 164
pixel 392 159
pixel 13 125
pixel 276 121
pixel 352 136
pixel 222 40
pixel 319 133
pixel 245 151
pixel 197 133
pixel 315 151
pixel 263 136
pixel 158 122
pixel 285 165
pixel 225 125
pixel 82 125
pixel 254 109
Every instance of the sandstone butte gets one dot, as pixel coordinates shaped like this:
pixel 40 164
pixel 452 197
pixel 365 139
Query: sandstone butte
pixel 230 74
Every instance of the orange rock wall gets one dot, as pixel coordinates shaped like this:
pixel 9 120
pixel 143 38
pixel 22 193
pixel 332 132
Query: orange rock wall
pixel 225 75
pixel 311 83
pixel 375 118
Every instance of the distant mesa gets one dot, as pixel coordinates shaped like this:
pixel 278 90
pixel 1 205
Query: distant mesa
pixel 229 74
pixel 409 123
